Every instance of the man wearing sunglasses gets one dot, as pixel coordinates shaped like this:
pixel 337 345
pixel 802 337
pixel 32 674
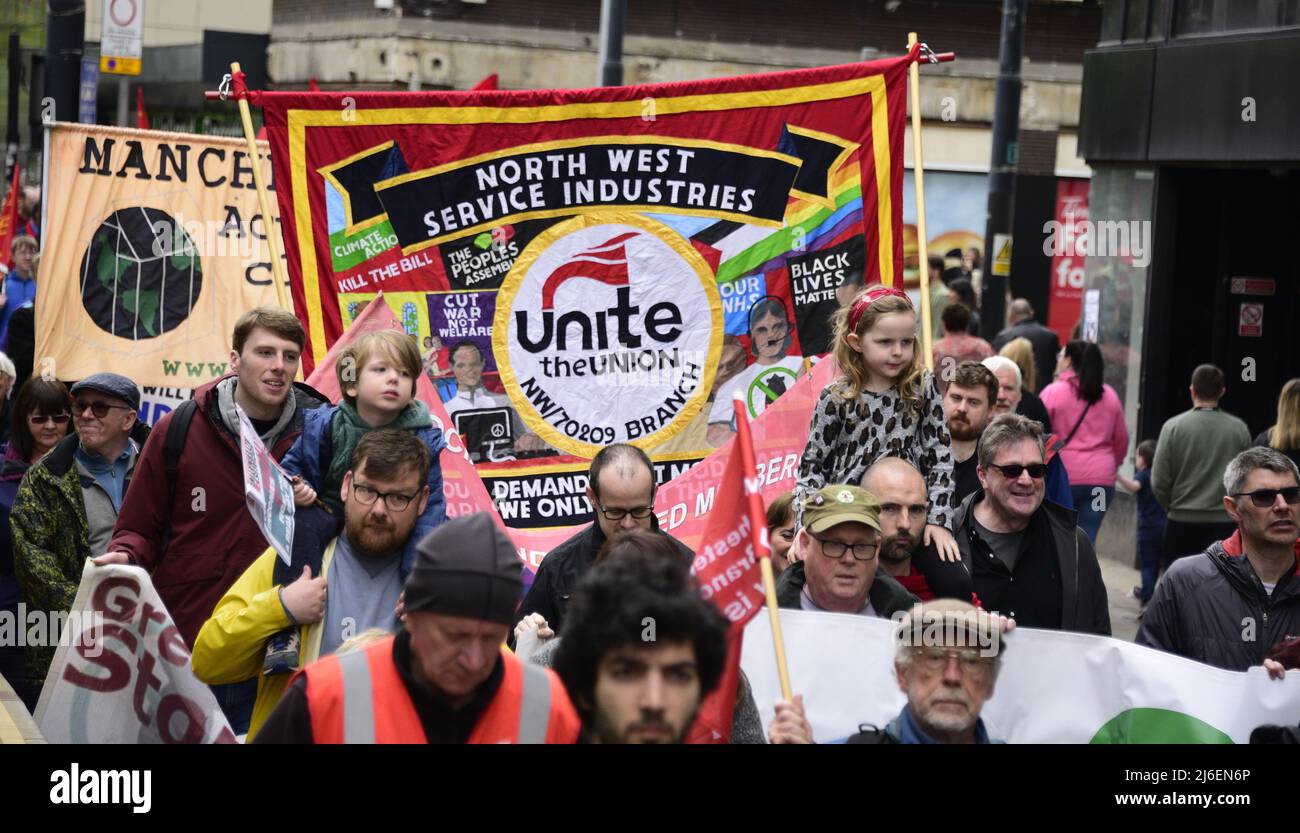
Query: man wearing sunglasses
pixel 355 589
pixel 1231 604
pixel 68 501
pixel 839 573
pixel 621 490
pixel 1028 557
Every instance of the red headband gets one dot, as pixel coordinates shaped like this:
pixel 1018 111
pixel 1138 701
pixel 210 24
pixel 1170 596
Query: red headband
pixel 867 299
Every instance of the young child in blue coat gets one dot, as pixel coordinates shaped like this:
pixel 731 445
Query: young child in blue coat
pixel 377 377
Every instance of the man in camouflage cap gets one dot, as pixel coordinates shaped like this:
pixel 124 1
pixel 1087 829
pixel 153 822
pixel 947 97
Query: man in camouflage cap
pixel 839 542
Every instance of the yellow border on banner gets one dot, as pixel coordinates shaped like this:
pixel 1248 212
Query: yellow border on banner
pixel 297 122
pixel 510 288
pixel 849 147
pixel 328 172
pixel 880 152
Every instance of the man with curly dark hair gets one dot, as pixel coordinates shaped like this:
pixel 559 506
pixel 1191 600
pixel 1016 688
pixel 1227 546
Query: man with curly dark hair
pixel 641 647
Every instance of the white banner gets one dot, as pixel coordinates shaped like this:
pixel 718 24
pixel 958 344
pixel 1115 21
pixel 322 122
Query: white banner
pixel 267 490
pixel 122 673
pixel 156 402
pixel 1054 687
pixel 608 329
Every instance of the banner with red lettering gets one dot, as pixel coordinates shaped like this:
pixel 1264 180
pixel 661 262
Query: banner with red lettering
pixel 727 567
pixel 683 504
pixel 1068 246
pixel 122 671
pixel 584 267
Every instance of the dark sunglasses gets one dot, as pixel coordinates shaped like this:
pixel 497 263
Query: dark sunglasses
pixel 99 409
pixel 1264 498
pixel 1012 472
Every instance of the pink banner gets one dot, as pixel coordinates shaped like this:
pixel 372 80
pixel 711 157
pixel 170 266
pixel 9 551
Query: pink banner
pixel 682 505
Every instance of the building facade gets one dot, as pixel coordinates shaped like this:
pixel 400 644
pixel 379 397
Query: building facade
pixel 453 44
pixel 1192 128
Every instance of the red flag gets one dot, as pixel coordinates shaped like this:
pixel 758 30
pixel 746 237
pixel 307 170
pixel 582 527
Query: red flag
pixel 489 83
pixel 727 568
pixel 141 115
pixel 9 221
pixel 312 86
pixel 606 263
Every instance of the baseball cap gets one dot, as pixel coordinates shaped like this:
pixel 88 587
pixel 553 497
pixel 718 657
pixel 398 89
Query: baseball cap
pixel 839 504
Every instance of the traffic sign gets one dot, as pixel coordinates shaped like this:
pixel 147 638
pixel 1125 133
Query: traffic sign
pixel 121 37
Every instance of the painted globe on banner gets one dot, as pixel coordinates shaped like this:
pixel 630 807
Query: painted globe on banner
pixel 608 329
pixel 141 275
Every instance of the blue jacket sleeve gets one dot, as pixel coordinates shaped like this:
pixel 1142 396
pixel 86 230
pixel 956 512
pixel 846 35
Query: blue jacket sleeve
pixel 435 511
pixel 1058 484
pixel 304 457
pixel 292 462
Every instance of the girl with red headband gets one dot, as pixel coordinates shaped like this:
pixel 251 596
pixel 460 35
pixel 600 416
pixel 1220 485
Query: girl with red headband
pixel 885 404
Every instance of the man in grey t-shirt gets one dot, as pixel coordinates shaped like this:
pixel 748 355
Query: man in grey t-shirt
pixel 362 594
pixel 350 584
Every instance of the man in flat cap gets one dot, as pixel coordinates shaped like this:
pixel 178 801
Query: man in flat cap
pixel 947 660
pixel 68 502
pixel 446 677
pixel 348 585
pixel 840 542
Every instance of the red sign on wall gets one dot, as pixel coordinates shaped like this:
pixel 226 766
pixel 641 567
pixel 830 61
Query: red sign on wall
pixel 1068 246
pixel 1251 320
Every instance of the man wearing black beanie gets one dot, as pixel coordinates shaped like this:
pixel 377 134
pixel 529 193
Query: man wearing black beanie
pixel 446 677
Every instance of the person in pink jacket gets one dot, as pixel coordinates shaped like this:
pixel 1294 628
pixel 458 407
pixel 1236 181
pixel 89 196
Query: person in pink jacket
pixel 1089 420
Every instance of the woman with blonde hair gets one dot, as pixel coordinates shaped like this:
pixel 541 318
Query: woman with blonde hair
pixel 1284 436
pixel 1021 351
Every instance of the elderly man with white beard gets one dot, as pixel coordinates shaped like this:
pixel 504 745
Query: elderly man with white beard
pixel 947 660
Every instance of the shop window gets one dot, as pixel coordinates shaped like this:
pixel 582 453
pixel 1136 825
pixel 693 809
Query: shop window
pixel 1201 17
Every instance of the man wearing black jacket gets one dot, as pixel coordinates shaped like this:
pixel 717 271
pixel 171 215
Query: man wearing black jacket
pixel 621 489
pixel 1231 604
pixel 1021 324
pixel 1029 559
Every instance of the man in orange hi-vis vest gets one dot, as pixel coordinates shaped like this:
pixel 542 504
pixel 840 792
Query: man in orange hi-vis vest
pixel 445 677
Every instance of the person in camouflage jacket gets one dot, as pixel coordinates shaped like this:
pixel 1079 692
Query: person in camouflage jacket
pixel 52 534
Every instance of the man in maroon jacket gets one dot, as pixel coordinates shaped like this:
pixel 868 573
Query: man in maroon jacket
pixel 196 536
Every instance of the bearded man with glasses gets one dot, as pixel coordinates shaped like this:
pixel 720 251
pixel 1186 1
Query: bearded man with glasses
pixel 946 662
pixel 1028 557
pixel 356 588
pixel 839 573
pixel 621 490
pixel 1230 605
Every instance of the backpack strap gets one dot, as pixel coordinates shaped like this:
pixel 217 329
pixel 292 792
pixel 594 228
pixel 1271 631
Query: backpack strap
pixel 174 442
pixel 173 445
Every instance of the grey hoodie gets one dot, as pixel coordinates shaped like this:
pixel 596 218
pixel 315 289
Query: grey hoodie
pixel 230 417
